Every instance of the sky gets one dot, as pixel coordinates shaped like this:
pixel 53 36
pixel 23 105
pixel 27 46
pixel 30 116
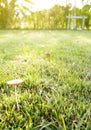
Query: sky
pixel 47 4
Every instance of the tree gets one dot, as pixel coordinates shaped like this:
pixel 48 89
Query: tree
pixel 86 10
pixel 10 11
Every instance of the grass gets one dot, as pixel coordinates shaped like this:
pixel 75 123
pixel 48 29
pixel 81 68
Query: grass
pixel 56 70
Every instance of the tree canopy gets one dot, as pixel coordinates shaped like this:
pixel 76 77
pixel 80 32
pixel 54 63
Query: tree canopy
pixel 14 15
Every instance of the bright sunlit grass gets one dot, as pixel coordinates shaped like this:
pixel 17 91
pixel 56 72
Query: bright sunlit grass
pixel 56 70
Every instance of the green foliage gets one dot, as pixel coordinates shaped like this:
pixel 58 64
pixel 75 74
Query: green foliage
pixel 14 15
pixel 56 70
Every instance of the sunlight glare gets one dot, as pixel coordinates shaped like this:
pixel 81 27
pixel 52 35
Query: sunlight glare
pixel 47 4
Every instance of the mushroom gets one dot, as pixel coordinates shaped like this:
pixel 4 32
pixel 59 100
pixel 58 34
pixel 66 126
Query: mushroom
pixel 15 84
pixel 48 55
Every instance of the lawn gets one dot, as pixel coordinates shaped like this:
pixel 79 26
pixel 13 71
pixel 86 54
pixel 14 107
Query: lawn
pixel 56 70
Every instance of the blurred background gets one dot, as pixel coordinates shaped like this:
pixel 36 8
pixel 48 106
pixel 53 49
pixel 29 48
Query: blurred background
pixel 43 14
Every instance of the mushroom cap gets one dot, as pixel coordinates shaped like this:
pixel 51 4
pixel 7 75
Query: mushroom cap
pixel 15 82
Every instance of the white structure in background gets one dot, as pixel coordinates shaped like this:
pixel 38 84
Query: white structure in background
pixel 75 17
